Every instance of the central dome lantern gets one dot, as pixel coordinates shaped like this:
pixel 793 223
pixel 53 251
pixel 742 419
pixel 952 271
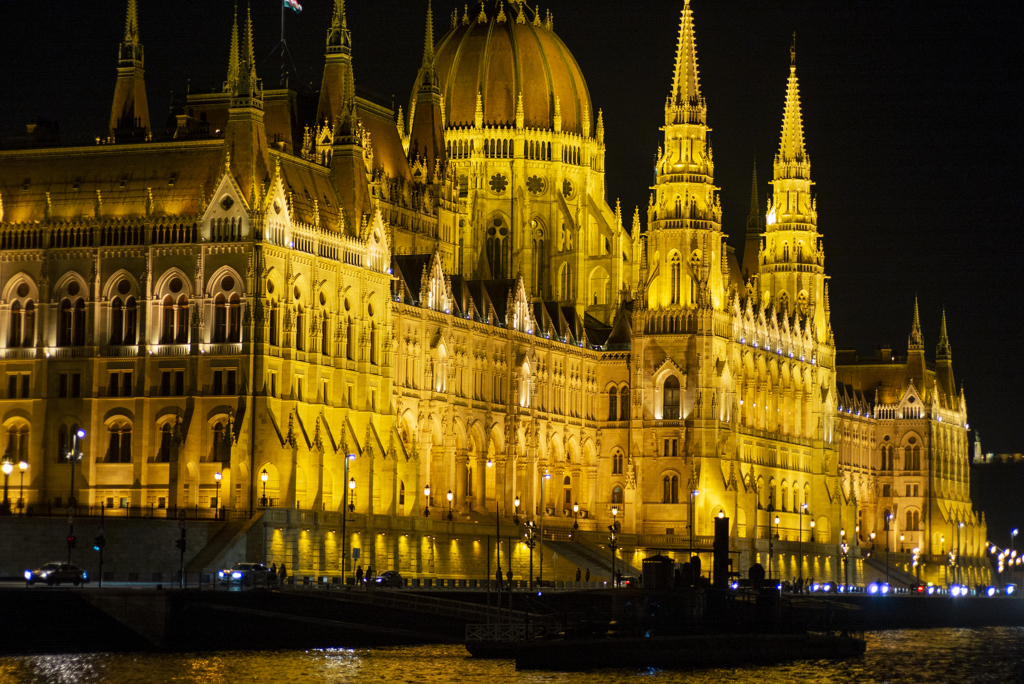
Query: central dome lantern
pixel 499 51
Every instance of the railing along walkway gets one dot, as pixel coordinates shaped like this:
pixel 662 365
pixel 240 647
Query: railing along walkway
pixel 428 604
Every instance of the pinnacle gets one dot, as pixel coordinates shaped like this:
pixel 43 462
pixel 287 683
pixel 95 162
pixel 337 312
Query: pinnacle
pixel 131 29
pixel 916 341
pixel 428 42
pixel 755 202
pixel 232 79
pixel 791 148
pixel 686 83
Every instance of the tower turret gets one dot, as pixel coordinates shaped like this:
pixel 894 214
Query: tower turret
pixel 426 138
pixel 916 366
pixel 944 363
pixel 755 226
pixel 245 136
pixel 792 263
pixel 684 239
pixel 337 91
pixel 129 116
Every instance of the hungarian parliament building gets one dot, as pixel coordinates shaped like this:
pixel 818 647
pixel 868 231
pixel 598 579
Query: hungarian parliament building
pixel 256 308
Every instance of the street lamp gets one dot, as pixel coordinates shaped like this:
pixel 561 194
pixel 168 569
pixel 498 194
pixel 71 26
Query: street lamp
pixel 264 476
pixel 515 518
pixel 812 531
pixel 74 456
pixel 844 547
pixel 217 477
pixel 5 507
pixel 771 545
pixel 802 513
pixel 575 510
pixel 611 541
pixel 901 542
pixel 959 527
pixel 344 517
pixel 531 541
pixel 450 497
pixel 22 466
pixel 352 499
pixel 426 497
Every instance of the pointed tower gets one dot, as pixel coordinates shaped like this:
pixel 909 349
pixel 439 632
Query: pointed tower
pixel 338 86
pixel 338 110
pixel 245 137
pixel 755 226
pixel 129 116
pixel 426 138
pixel 916 366
pixel 684 237
pixel 232 80
pixel 944 364
pixel 792 264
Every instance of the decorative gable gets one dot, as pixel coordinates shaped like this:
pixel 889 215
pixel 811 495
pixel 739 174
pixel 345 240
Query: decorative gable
pixel 226 218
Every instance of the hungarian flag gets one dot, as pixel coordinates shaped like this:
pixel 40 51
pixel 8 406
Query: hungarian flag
pixel 293 4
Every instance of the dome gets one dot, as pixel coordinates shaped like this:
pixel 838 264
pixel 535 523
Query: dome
pixel 491 53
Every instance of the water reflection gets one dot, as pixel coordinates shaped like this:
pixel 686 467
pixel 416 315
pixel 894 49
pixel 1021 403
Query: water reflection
pixel 943 655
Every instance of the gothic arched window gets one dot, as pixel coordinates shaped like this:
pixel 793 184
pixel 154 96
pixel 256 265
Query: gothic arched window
pixel 671 399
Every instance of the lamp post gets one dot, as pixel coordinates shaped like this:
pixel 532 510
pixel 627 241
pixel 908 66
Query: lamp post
pixel 812 531
pixel 575 510
pixel 344 518
pixel 450 497
pixel 959 527
pixel 531 541
pixel 264 476
pixel 611 542
pixel 515 518
pixel 22 466
pixel 352 499
pixel 844 548
pixel 543 501
pixel 693 498
pixel 802 512
pixel 888 525
pixel 426 498
pixel 5 507
pixel 901 542
pixel 771 545
pixel 74 456
pixel 218 477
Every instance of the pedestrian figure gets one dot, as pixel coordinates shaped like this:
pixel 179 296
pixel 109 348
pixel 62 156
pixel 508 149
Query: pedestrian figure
pixel 510 579
pixel 578 575
pixel 618 577
pixel 588 575
pixel 272 579
pixel 369 574
pixel 498 578
pixel 282 575
pixel 359 574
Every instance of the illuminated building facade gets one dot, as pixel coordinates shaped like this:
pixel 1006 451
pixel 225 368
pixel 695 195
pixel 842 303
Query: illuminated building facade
pixel 445 292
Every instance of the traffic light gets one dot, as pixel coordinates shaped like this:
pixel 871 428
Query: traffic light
pixel 100 542
pixel 71 541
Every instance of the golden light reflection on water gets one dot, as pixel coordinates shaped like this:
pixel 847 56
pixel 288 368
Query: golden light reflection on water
pixel 941 655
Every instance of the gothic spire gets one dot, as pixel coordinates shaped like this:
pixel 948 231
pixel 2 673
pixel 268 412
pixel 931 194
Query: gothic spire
pixel 428 41
pixel 916 341
pixel 338 36
pixel 686 83
pixel 131 28
pixel 247 66
pixel 232 80
pixel 791 148
pixel 943 352
pixel 754 218
pixel 129 115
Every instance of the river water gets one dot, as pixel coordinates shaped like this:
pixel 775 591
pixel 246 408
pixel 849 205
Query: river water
pixel 941 655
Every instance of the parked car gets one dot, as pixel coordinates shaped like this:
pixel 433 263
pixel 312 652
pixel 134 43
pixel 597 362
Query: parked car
pixel 57 573
pixel 245 575
pixel 629 582
pixel 389 578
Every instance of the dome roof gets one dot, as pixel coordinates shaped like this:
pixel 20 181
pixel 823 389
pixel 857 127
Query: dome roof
pixel 500 57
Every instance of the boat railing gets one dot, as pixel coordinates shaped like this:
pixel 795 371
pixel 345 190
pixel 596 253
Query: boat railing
pixel 496 632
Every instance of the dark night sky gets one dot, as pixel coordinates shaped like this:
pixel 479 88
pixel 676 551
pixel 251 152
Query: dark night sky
pixel 911 110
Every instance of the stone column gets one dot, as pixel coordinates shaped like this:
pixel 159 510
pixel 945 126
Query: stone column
pixel 461 460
